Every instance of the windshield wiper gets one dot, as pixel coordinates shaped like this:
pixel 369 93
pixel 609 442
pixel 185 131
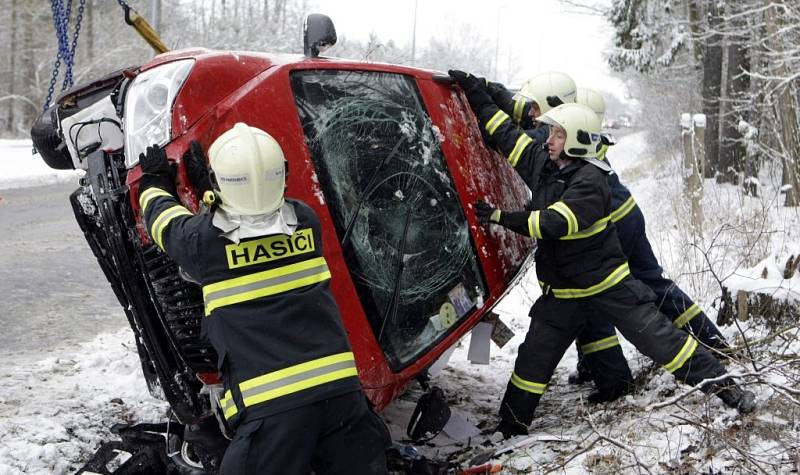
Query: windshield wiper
pixel 368 190
pixel 391 306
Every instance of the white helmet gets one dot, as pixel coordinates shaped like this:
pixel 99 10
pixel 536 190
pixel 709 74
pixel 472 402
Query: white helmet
pixel 593 100
pixel 549 90
pixel 583 131
pixel 248 170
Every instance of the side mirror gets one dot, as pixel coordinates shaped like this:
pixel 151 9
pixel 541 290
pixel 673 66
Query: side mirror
pixel 429 417
pixel 319 34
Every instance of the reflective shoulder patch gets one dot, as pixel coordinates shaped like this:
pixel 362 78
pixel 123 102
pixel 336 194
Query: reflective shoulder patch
pixel 270 248
pixel 497 119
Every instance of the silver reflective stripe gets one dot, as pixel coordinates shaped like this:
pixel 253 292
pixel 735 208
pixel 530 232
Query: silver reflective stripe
pixel 262 284
pixel 519 106
pixel 288 380
pixel 149 194
pixel 497 119
pixel 228 405
pixel 595 228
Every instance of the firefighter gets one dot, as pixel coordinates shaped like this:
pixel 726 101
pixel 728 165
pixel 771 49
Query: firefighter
pixel 602 358
pixel 537 95
pixel 291 388
pixel 582 270
pixel 672 301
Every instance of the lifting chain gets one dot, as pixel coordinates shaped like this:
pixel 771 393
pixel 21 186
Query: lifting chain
pixel 66 51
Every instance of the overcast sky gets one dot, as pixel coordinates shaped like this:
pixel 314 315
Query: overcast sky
pixel 539 35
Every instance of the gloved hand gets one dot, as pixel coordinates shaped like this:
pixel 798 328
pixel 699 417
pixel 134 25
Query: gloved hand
pixel 196 170
pixel 157 172
pixel 467 81
pixel 487 213
pixel 496 89
pixel 154 161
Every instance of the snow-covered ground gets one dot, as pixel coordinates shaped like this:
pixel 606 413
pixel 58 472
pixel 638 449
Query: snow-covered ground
pixel 19 167
pixel 53 412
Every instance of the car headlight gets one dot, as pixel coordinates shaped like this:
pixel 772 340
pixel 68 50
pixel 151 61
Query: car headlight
pixel 148 107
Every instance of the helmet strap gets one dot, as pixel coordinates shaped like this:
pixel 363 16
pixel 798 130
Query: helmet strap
pixel 212 177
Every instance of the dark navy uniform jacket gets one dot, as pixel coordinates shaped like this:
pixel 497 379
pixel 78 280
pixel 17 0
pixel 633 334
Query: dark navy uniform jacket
pixel 578 252
pixel 269 311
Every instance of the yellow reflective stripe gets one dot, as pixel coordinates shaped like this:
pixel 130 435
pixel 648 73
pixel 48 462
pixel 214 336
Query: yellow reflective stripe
pixel 228 405
pixel 265 283
pixel 623 210
pixel 534 230
pixel 296 369
pixel 163 219
pixel 613 279
pixel 498 118
pixel 561 208
pixel 298 378
pixel 529 386
pixel 601 154
pixel 545 288
pixel 683 356
pixel 519 106
pixel 537 223
pixel 522 142
pixel 687 316
pixel 598 227
pixel 147 196
pixel 600 345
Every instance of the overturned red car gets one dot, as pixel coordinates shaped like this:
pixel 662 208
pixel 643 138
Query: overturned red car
pixel 390 158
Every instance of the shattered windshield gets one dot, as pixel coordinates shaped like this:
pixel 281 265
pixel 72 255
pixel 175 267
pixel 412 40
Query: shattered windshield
pixel 397 214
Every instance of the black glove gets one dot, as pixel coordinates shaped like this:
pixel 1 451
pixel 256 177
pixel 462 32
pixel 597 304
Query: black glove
pixel 196 170
pixel 487 213
pixel 467 81
pixel 496 89
pixel 156 170
pixel 154 161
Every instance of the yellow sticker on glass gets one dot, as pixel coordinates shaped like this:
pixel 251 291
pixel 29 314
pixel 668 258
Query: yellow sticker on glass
pixel 447 314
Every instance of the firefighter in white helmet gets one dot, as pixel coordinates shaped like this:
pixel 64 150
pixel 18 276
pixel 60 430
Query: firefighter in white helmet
pixel 594 361
pixel 604 356
pixel 548 90
pixel 593 100
pixel 581 268
pixel 291 388
pixel 537 95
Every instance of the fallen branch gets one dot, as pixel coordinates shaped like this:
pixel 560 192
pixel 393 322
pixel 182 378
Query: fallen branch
pixel 767 338
pixel 723 438
pixel 616 443
pixel 698 387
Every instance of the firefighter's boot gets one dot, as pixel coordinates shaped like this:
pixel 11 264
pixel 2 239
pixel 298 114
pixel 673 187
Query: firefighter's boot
pixel 734 396
pixel 598 396
pixel 510 429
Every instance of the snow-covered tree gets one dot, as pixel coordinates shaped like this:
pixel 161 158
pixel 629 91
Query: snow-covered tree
pixel 735 61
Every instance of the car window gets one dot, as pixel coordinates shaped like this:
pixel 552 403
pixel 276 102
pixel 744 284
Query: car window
pixel 391 195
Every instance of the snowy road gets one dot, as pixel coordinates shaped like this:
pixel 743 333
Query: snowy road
pixel 67 360
pixel 54 294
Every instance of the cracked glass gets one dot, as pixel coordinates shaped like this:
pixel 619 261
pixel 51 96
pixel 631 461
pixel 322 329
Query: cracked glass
pixel 384 178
